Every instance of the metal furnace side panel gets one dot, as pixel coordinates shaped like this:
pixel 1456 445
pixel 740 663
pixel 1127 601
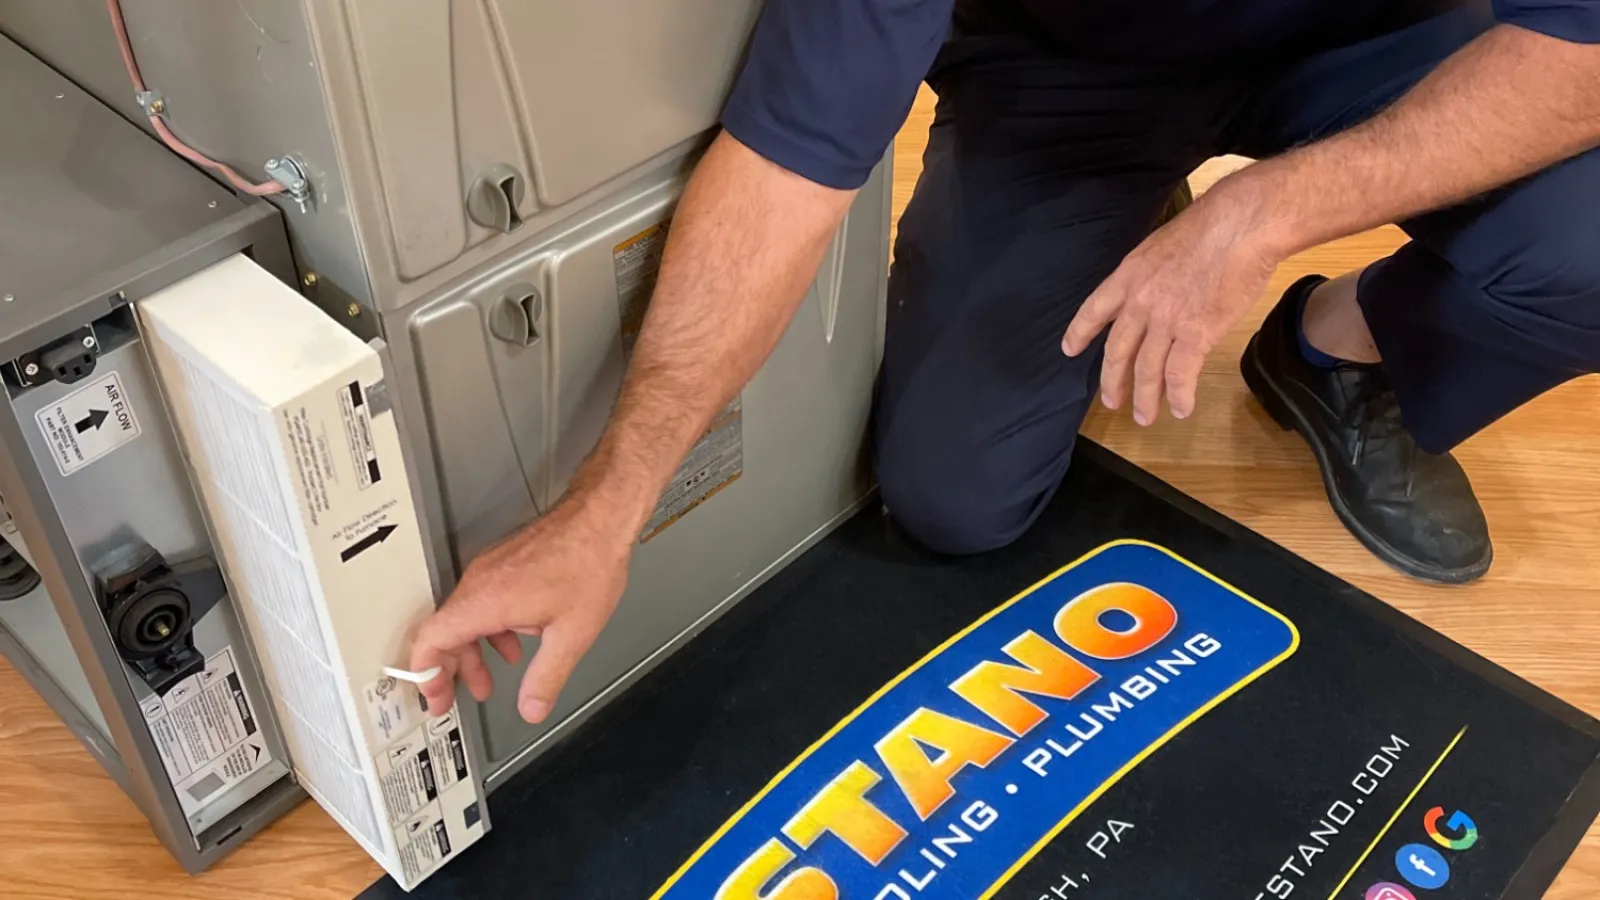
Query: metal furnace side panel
pixel 133 497
pixel 139 495
pixel 240 80
pixel 90 470
pixel 83 194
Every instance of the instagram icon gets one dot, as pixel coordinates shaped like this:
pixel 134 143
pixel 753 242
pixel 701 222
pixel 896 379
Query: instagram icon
pixel 1387 891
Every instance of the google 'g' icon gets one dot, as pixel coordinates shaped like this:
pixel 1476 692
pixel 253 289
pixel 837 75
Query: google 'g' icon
pixel 1459 833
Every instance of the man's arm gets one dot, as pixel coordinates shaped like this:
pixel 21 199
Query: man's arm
pixel 1506 106
pixel 745 244
pixel 744 248
pixel 1511 103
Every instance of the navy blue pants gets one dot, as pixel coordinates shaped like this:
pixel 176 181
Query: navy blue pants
pixel 1043 172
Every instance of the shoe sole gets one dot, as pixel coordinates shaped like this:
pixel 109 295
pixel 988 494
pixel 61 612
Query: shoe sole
pixel 1287 417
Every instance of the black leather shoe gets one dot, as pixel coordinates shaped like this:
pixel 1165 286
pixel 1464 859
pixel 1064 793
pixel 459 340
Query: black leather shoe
pixel 1413 509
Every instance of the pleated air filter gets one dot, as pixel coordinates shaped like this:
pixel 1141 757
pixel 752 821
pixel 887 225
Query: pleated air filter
pixel 298 459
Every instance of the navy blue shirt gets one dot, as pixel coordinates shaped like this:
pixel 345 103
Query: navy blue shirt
pixel 828 83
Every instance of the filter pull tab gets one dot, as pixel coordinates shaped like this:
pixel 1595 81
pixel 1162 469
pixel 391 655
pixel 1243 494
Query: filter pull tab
pixel 413 677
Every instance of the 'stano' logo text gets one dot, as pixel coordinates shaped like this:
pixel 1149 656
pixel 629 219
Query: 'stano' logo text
pixel 951 778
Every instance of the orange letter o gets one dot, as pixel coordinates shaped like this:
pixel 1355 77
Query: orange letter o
pixel 1078 623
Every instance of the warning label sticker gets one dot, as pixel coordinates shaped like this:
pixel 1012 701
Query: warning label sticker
pixel 424 842
pixel 419 767
pixel 88 423
pixel 718 459
pixel 715 462
pixel 425 777
pixel 358 434
pixel 637 262
pixel 406 775
pixel 447 750
pixel 206 733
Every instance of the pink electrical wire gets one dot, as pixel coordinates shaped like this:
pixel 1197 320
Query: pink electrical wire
pixel 114 7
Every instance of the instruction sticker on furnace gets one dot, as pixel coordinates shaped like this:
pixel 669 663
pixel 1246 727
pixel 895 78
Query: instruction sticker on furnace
pixel 206 732
pixel 717 459
pixel 88 423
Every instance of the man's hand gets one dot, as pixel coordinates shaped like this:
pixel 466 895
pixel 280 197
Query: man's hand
pixel 1171 300
pixel 560 580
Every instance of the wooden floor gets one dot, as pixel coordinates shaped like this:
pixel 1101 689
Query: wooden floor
pixel 68 834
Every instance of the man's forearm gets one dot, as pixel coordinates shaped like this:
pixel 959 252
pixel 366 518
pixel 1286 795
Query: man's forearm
pixel 1508 105
pixel 745 245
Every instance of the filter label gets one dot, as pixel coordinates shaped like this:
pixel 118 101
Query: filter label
pixel 206 733
pixel 394 707
pixel 414 771
pixel 88 423
pixel 429 794
pixel 357 418
pixel 424 842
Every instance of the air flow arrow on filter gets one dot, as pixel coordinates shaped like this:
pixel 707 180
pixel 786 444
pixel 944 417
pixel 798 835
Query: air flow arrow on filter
pixel 94 419
pixel 366 543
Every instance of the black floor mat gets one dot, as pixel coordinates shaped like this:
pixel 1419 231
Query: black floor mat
pixel 1311 742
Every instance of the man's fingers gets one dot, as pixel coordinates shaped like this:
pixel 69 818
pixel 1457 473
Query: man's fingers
pixel 442 640
pixel 440 690
pixel 1122 348
pixel 474 674
pixel 457 623
pixel 1183 377
pixel 560 648
pixel 1099 310
pixel 1149 374
pixel 508 645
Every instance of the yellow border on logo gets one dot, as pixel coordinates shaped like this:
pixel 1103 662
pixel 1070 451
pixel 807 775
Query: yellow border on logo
pixel 1294 646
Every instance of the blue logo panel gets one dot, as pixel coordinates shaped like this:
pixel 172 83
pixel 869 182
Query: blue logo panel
pixel 949 779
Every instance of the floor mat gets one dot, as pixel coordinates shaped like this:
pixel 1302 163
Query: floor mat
pixel 1140 699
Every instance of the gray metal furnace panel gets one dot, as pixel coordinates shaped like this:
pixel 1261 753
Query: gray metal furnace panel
pixel 96 503
pixel 83 195
pixel 33 621
pixel 97 215
pixel 510 415
pixel 138 495
pixel 240 82
pixel 398 108
pixel 561 103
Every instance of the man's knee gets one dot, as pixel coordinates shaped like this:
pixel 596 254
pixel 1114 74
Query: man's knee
pixel 957 504
pixel 943 517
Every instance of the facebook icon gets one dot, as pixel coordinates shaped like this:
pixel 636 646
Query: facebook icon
pixel 1422 866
